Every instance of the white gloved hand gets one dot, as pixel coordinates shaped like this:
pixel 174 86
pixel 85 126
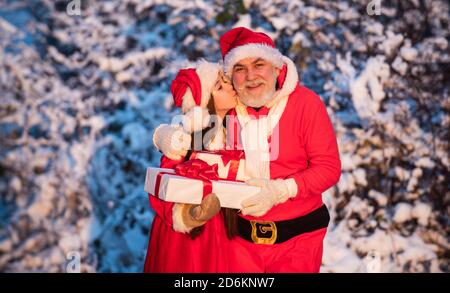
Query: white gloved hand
pixel 172 141
pixel 272 192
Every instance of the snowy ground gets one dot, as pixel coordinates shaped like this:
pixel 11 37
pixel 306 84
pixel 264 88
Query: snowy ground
pixel 81 95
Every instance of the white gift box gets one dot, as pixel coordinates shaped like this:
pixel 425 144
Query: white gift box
pixel 222 170
pixel 176 188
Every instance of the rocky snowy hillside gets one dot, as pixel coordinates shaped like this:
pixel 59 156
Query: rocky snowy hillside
pixel 80 96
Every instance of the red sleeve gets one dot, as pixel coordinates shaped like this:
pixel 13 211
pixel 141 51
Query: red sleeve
pixel 169 163
pixel 163 208
pixel 324 165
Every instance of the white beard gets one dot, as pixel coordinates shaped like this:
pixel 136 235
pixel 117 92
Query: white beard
pixel 257 102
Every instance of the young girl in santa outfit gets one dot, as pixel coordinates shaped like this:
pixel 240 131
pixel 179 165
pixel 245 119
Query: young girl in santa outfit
pixel 185 237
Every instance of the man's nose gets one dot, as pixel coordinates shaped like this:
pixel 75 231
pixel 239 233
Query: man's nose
pixel 251 74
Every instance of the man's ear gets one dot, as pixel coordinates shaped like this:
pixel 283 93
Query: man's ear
pixel 277 74
pixel 277 71
pixel 281 76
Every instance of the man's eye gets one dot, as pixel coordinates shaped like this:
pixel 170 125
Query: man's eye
pixel 259 65
pixel 237 69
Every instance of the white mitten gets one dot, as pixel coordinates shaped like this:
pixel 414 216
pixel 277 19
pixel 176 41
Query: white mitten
pixel 272 192
pixel 172 141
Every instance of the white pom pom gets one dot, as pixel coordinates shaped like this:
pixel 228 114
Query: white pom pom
pixel 196 119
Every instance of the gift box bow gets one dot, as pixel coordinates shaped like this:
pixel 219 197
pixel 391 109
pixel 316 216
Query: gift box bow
pixel 227 156
pixel 194 169
pixel 197 169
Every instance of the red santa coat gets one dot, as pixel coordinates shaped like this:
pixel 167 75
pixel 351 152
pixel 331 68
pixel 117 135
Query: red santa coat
pixel 174 252
pixel 308 152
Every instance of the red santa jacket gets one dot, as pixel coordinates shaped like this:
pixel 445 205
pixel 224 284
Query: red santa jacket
pixel 307 151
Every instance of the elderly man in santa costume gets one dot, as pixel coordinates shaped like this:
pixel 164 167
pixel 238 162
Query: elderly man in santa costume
pixel 290 152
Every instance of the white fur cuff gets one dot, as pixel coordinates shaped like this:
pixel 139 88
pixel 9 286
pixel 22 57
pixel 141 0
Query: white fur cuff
pixel 177 219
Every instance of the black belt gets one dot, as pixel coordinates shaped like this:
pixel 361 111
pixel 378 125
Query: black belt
pixel 267 232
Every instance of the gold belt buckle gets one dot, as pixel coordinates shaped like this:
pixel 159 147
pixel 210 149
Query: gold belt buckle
pixel 264 227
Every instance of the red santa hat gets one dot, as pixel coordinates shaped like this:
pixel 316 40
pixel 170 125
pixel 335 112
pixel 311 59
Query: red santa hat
pixel 191 90
pixel 240 43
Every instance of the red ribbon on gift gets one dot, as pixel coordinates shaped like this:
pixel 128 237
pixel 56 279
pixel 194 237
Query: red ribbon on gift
pixel 233 156
pixel 198 169
pixel 194 169
pixel 158 182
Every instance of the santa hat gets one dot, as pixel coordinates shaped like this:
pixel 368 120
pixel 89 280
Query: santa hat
pixel 240 43
pixel 191 90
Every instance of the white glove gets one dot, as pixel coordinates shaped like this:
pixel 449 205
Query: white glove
pixel 272 192
pixel 172 141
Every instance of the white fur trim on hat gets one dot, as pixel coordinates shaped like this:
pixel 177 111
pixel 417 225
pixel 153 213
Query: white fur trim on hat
pixel 196 116
pixel 196 119
pixel 208 73
pixel 252 50
pixel 188 101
